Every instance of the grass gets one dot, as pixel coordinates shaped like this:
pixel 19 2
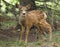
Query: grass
pixel 7 24
pixel 16 43
pixel 10 43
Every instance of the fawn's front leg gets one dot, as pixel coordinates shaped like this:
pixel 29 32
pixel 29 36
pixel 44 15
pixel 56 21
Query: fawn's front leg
pixel 21 33
pixel 27 33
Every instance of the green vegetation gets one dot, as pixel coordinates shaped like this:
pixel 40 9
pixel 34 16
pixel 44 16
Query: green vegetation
pixel 51 7
pixel 8 10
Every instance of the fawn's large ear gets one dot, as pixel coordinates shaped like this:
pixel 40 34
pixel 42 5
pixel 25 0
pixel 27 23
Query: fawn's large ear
pixel 28 6
pixel 18 6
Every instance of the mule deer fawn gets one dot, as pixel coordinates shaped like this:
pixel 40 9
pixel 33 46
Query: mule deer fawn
pixel 34 17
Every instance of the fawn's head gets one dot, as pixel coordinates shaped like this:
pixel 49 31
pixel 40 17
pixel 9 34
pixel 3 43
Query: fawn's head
pixel 24 9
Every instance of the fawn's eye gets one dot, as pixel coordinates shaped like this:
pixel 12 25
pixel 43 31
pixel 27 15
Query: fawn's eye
pixel 21 10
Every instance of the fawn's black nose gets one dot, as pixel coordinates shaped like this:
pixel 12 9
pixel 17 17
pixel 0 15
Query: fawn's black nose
pixel 23 13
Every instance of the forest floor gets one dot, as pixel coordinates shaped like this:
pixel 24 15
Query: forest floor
pixel 12 40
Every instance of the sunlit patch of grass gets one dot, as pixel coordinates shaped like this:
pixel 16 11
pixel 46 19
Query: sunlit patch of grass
pixel 20 43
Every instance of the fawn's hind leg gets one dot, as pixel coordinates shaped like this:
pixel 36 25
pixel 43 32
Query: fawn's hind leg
pixel 47 26
pixel 39 35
